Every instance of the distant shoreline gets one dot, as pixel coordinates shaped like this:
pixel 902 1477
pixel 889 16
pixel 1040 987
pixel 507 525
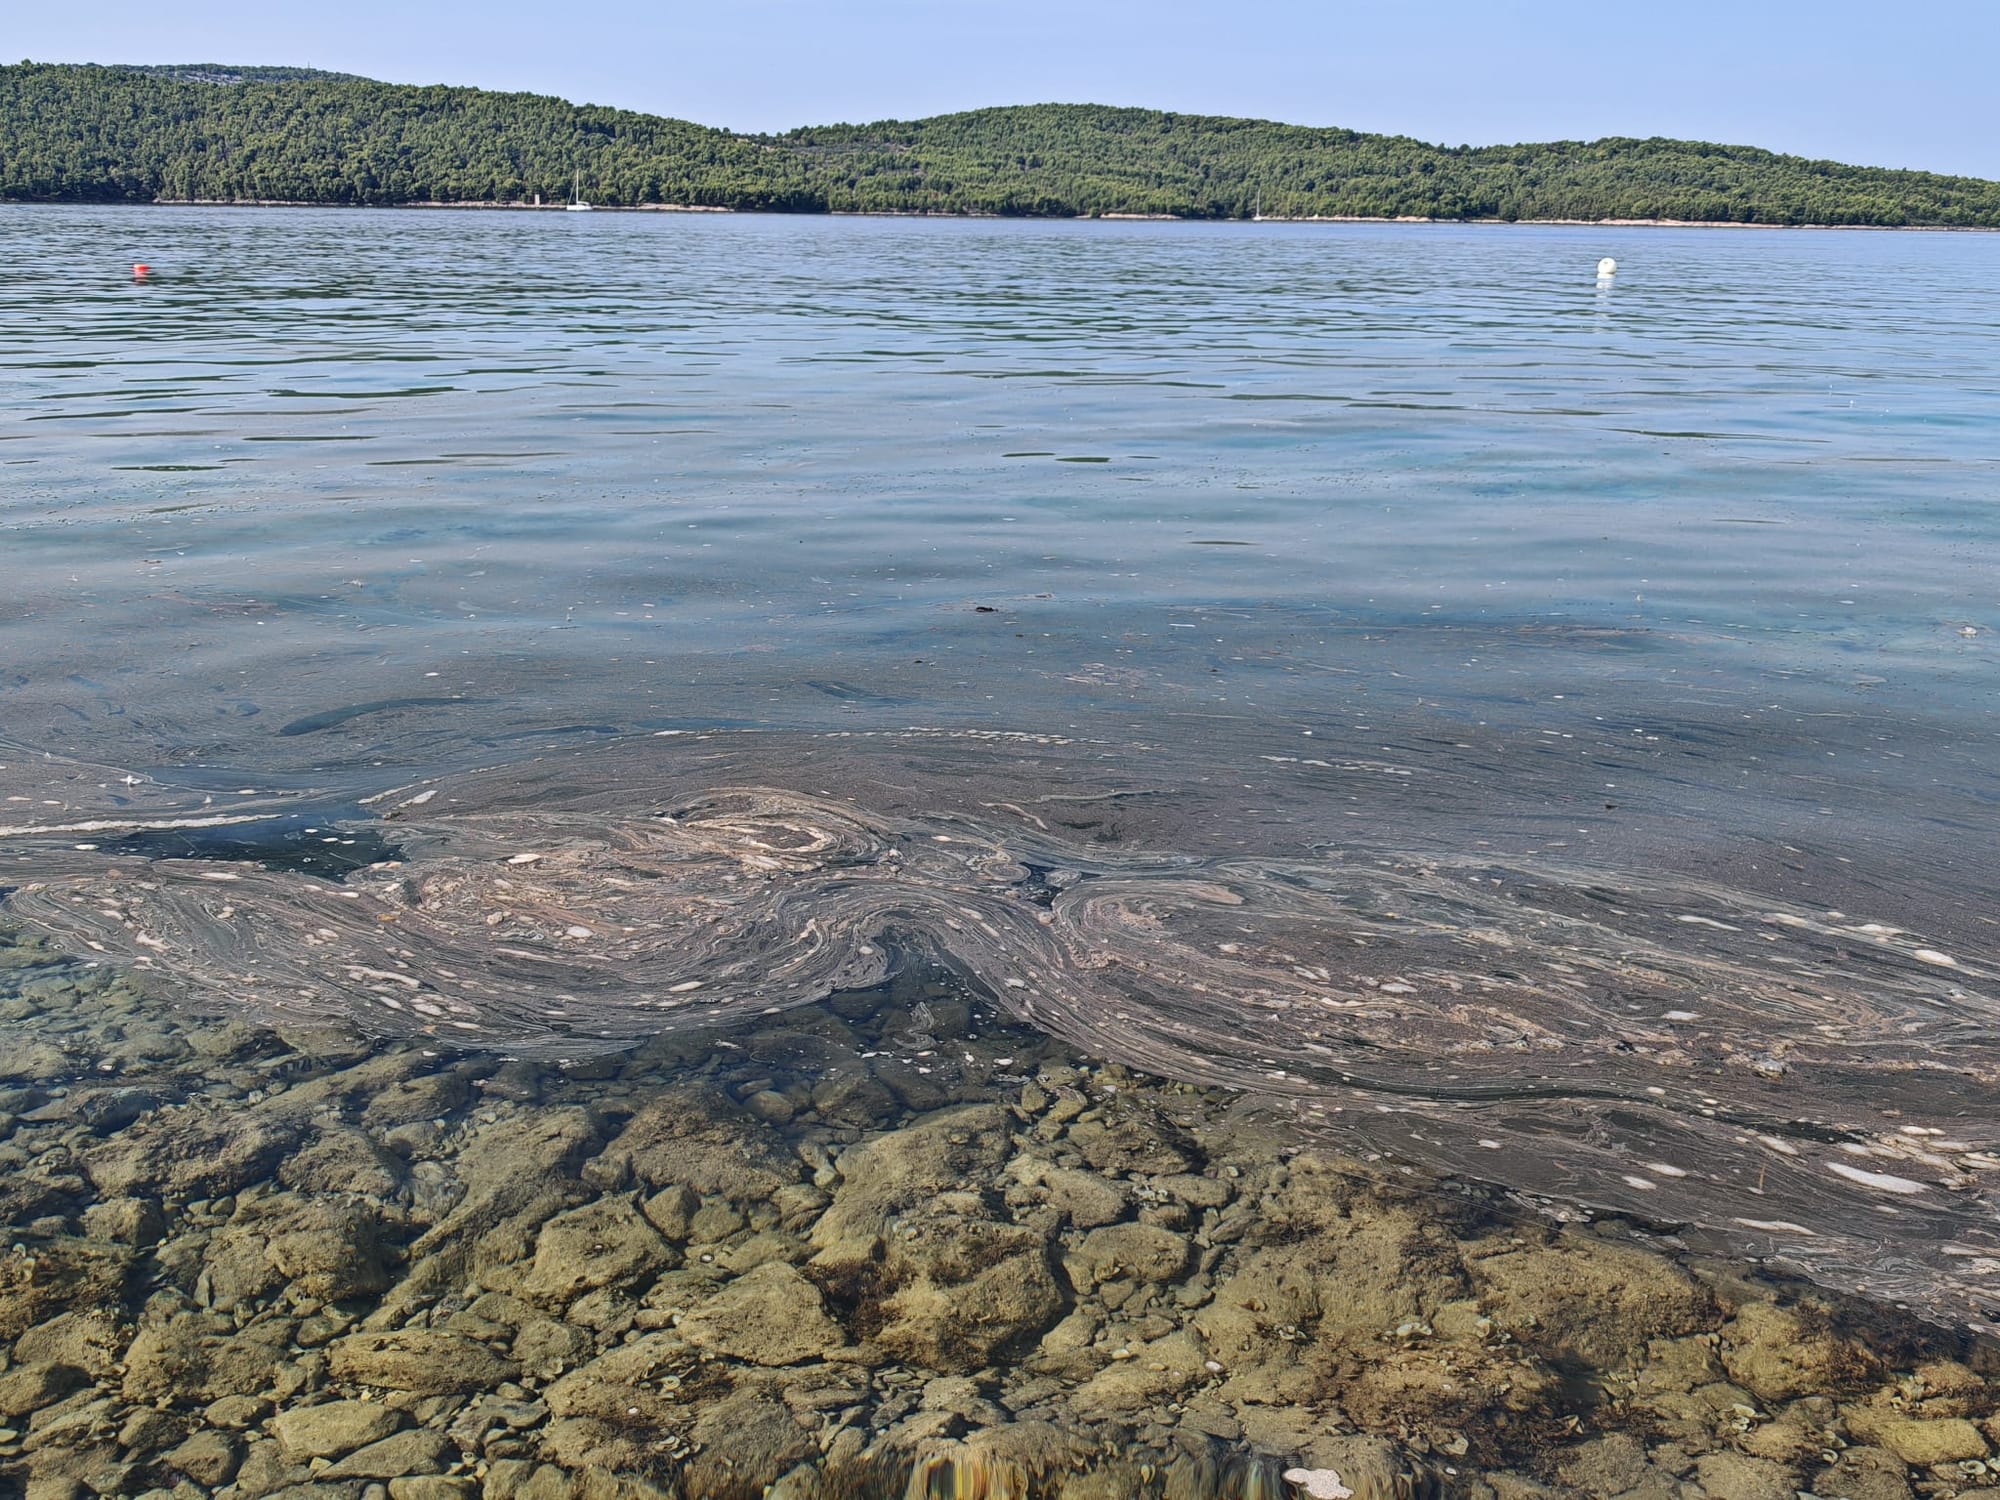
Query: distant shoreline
pixel 1125 218
pixel 215 134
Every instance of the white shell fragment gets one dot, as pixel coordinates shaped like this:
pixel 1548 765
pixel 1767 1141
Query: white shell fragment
pixel 1882 1180
pixel 1321 1484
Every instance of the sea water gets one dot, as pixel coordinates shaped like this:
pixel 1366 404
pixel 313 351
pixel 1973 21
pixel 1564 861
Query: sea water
pixel 1530 726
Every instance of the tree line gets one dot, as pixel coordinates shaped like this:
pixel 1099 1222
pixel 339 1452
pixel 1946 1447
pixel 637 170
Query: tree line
pixel 84 133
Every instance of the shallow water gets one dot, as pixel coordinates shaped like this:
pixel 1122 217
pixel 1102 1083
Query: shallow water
pixel 888 1245
pixel 1539 728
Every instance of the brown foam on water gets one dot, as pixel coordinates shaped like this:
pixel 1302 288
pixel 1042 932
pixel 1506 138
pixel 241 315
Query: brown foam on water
pixel 1782 1082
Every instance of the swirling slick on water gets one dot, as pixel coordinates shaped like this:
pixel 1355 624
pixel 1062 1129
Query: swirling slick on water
pixel 1807 1085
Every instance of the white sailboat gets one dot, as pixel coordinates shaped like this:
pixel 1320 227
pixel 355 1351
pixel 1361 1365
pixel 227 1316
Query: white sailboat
pixel 576 205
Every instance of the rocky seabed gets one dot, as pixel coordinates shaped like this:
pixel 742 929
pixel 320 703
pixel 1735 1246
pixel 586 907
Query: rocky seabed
pixel 891 1245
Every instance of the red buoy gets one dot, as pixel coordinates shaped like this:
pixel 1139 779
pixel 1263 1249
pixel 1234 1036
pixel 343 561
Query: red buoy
pixel 140 271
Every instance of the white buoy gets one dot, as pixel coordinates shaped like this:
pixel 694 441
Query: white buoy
pixel 1606 269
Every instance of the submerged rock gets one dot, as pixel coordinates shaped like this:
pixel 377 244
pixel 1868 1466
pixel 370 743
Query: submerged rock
pixel 420 1361
pixel 325 1249
pixel 193 1153
pixel 1740 1477
pixel 745 1443
pixel 507 1179
pixel 28 1388
pixel 1086 1199
pixel 1135 1136
pixel 342 1159
pixel 209 1458
pixel 1598 1304
pixel 137 1222
pixel 1863 1473
pixel 638 1384
pixel 602 1244
pixel 905 1170
pixel 584 1283
pixel 1137 1252
pixel 333 1428
pixel 1925 1443
pixel 419 1451
pixel 1148 1375
pixel 914 1255
pixel 701 1139
pixel 770 1316
pixel 957 1297
pixel 92 1339
pixel 1779 1353
pixel 40 1282
pixel 185 1357
pixel 434 1487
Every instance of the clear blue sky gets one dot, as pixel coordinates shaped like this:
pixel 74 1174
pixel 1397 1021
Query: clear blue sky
pixel 1909 84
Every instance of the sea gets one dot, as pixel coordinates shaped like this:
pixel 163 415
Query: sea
pixel 1530 725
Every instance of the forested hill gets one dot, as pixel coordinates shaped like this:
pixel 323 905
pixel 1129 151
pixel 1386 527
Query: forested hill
pixel 228 73
pixel 216 132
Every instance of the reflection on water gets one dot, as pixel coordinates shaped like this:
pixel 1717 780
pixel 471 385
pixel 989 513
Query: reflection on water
pixel 660 472
pixel 1529 729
